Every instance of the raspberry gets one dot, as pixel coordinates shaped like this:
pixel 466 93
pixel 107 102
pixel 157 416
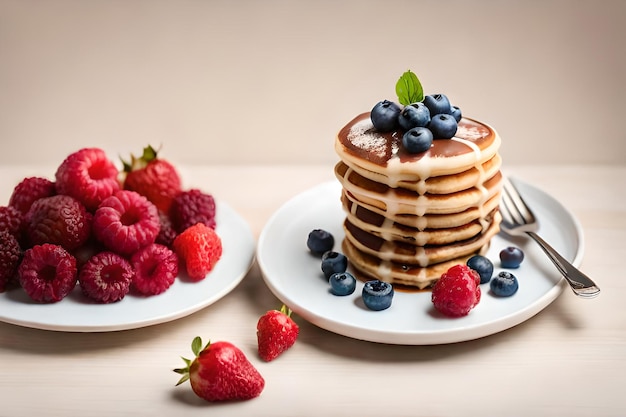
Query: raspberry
pixel 167 233
pixel 199 247
pixel 106 277
pixel 60 219
pixel 10 220
pixel 47 273
pixel 87 175
pixel 10 253
pixel 29 190
pixel 125 222
pixel 457 291
pixel 156 268
pixel 86 251
pixel 191 207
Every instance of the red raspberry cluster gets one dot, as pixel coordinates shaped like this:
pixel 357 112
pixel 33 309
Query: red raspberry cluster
pixel 88 228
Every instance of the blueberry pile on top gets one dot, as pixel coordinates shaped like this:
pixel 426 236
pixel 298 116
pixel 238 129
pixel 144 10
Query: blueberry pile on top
pixel 421 118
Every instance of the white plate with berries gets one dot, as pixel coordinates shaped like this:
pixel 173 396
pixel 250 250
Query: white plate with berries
pixel 94 251
pixel 76 313
pixel 293 274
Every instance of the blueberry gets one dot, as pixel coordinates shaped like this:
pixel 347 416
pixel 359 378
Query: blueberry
pixel 483 266
pixel 377 295
pixel 511 257
pixel 384 115
pixel 342 283
pixel 414 115
pixel 437 104
pixel 456 112
pixel 417 140
pixel 504 284
pixel 320 241
pixel 443 126
pixel 333 262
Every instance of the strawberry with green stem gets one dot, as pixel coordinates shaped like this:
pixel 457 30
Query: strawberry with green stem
pixel 276 332
pixel 153 177
pixel 220 372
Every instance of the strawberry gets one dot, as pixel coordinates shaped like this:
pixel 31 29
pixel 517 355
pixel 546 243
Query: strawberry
pixel 276 332
pixel 220 371
pixel 198 248
pixel 153 177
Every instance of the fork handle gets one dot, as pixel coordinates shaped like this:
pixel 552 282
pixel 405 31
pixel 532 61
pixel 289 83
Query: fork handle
pixel 581 284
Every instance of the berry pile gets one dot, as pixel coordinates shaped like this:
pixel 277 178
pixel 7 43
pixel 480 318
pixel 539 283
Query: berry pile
pixel 455 294
pixel 107 230
pixel 422 118
pixel 376 295
pixel 421 122
pixel 220 371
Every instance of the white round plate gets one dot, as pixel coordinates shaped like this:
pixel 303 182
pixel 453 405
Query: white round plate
pixel 293 274
pixel 76 313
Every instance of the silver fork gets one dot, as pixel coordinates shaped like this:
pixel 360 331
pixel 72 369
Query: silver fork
pixel 519 220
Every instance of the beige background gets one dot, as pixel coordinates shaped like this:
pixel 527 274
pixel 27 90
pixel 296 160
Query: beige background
pixel 272 81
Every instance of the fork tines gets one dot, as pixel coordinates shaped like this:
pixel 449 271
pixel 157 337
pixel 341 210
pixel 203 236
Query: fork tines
pixel 514 210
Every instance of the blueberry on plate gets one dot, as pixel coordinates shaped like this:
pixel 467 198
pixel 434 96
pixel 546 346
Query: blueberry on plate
pixel 377 295
pixel 414 115
pixel 443 126
pixel 437 104
pixel 483 266
pixel 417 140
pixel 511 257
pixel 320 241
pixel 504 284
pixel 384 115
pixel 333 262
pixel 342 283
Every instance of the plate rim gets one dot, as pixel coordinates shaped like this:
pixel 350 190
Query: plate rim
pixel 444 336
pixel 225 213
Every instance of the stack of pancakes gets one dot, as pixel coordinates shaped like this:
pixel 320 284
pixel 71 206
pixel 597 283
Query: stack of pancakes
pixel 410 217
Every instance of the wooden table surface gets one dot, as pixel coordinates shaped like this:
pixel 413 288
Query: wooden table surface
pixel 569 360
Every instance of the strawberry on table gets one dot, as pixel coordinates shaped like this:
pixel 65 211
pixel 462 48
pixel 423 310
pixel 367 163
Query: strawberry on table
pixel 220 372
pixel 153 177
pixel 276 332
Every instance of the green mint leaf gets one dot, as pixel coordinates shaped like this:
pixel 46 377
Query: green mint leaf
pixel 409 89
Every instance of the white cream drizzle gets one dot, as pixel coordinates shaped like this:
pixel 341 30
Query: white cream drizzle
pixel 420 170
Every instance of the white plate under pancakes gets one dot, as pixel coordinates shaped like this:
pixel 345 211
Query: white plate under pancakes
pixel 76 314
pixel 294 276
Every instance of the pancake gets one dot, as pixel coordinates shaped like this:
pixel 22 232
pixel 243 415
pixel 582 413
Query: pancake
pixel 370 267
pixel 360 144
pixel 403 201
pixel 389 230
pixel 410 217
pixel 377 216
pixel 443 184
pixel 407 253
